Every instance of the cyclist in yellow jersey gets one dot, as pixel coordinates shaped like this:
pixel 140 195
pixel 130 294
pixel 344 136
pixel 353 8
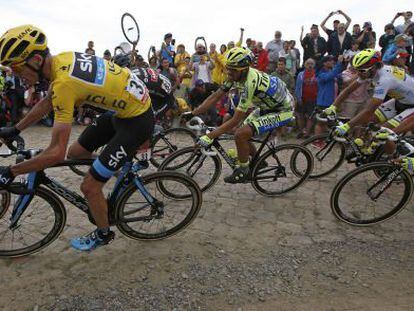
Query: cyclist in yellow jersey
pixel 78 78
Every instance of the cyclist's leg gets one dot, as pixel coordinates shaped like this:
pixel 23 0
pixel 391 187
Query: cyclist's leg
pixel 129 135
pixel 401 123
pixel 94 136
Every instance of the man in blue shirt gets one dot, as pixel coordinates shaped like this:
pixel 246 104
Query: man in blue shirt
pixel 167 49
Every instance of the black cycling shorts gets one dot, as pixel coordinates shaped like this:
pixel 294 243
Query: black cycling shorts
pixel 122 138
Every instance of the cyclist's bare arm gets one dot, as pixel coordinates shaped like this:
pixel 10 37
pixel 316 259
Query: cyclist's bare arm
pixel 405 126
pixel 51 155
pixel 366 115
pixel 345 93
pixel 209 102
pixel 43 107
pixel 229 125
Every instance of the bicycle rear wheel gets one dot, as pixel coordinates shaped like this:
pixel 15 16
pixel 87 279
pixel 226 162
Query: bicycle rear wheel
pixel 204 169
pixel 362 197
pixel 328 154
pixel 168 141
pixel 40 224
pixel 139 220
pixel 281 169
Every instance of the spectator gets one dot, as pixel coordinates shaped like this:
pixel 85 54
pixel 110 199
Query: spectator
pixel 358 99
pixel 217 74
pixel 367 37
pixel 223 49
pixel 284 74
pixel 387 38
pixel 306 92
pixel 348 54
pixel 167 49
pixel 273 48
pixel 202 70
pixel 185 76
pixel 153 62
pixel 166 70
pixel 179 59
pixel 200 51
pixel 290 57
pixel 107 55
pixel 15 92
pixel 198 94
pixel 401 59
pixel 356 31
pixel 262 57
pixel 89 50
pixel 327 85
pixel 339 41
pixel 401 41
pixel 336 22
pixel 314 46
pixel 297 52
pixel 400 29
pixel 250 44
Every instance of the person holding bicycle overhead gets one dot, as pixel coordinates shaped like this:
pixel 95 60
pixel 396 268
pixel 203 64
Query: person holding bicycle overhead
pixel 265 104
pixel 76 78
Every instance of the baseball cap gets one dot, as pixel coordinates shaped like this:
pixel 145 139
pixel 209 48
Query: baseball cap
pixel 199 82
pixel 167 35
pixel 367 24
pixel 401 36
pixel 327 58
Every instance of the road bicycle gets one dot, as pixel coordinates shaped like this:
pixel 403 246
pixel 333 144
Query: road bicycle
pixel 149 207
pixel 376 191
pixel 273 172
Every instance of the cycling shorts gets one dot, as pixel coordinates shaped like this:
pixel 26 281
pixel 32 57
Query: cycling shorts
pixel 264 122
pixel 393 112
pixel 122 138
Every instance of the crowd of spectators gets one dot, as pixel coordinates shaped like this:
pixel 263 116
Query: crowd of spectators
pixel 314 78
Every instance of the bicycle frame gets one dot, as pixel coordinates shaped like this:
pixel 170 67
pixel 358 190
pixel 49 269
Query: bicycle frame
pixel 128 173
pixel 216 144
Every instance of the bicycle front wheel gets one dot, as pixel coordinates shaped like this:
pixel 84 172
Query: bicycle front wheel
pixel 281 169
pixel 166 216
pixel 204 169
pixel 40 224
pixel 328 154
pixel 364 196
pixel 170 140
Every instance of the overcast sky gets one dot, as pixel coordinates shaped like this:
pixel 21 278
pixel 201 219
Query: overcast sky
pixel 70 24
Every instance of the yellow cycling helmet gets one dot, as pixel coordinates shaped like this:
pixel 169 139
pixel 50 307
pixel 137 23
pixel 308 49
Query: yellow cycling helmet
pixel 18 44
pixel 366 59
pixel 239 57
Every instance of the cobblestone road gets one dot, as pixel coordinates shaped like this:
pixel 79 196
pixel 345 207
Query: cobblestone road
pixel 243 252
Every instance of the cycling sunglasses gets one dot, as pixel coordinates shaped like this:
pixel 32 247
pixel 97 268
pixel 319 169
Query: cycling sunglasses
pixel 366 70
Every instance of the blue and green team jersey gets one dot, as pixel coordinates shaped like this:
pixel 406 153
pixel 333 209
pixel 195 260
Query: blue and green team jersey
pixel 261 90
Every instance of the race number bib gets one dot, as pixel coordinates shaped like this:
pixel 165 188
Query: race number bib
pixel 137 88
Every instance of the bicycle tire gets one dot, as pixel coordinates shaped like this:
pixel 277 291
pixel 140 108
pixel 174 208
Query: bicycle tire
pixel 5 202
pixel 159 178
pixel 338 208
pixel 191 157
pixel 156 158
pixel 317 156
pixel 262 167
pixel 58 225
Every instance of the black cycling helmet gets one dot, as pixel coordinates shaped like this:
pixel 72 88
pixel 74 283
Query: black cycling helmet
pixel 122 60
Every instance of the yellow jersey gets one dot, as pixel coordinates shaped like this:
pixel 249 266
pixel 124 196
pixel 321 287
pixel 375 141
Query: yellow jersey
pixel 80 78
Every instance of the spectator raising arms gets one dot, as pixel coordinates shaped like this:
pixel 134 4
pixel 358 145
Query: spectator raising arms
pixel 336 22
pixel 273 48
pixel 400 29
pixel 306 92
pixel 339 41
pixel 367 38
pixel 314 46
